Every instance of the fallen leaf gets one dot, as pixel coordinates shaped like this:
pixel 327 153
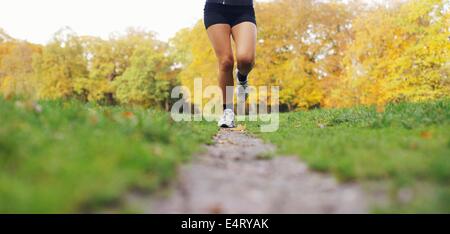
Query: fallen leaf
pixel 426 135
pixel 93 119
pixel 380 108
pixel 128 114
pixel 216 209
pixel 239 128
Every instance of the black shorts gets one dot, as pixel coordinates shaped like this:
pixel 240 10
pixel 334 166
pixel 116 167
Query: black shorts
pixel 227 14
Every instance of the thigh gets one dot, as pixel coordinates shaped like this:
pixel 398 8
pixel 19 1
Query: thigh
pixel 244 36
pixel 220 37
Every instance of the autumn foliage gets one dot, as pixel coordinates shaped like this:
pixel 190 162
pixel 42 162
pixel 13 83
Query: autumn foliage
pixel 320 53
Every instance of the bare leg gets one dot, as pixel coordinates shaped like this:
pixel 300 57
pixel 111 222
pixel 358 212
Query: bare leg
pixel 220 37
pixel 244 35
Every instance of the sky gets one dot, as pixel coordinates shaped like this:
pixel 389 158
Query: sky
pixel 37 20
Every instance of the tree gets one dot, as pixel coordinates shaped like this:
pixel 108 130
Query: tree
pixel 16 73
pixel 62 61
pixel 398 55
pixel 143 82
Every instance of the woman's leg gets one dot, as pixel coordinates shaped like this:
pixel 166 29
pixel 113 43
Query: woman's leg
pixel 220 37
pixel 244 35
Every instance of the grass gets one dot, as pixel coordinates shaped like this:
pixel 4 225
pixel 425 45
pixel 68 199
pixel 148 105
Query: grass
pixel 406 148
pixel 64 157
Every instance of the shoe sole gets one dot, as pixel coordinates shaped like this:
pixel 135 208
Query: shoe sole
pixel 226 126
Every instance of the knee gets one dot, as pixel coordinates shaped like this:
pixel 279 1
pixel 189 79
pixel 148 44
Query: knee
pixel 226 64
pixel 246 61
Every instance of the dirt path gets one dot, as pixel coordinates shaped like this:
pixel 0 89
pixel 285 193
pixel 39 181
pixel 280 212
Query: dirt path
pixel 235 176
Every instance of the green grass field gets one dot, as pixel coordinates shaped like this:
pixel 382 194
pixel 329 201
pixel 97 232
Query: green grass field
pixel 406 149
pixel 64 157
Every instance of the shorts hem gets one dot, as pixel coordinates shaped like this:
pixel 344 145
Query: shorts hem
pixel 242 21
